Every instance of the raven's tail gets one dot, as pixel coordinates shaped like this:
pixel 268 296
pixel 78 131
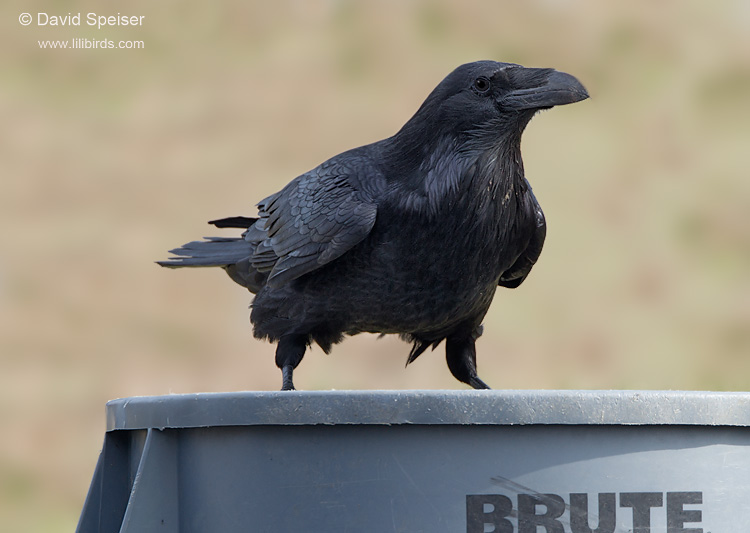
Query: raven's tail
pixel 233 254
pixel 211 252
pixel 215 251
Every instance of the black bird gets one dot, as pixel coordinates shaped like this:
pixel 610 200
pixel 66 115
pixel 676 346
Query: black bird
pixel 409 235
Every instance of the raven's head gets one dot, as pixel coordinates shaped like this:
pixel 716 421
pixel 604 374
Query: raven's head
pixel 494 98
pixel 478 111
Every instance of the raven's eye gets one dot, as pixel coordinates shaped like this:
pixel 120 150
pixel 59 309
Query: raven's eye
pixel 482 85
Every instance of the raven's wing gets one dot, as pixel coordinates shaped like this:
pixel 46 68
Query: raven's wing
pixel 518 271
pixel 315 219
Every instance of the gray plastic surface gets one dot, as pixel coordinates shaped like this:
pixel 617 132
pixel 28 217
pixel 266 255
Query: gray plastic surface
pixel 430 407
pixel 432 461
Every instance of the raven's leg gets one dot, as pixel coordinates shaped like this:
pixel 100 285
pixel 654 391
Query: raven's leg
pixel 289 353
pixel 461 355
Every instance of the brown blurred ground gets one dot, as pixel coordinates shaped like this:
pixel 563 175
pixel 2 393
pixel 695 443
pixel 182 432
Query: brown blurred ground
pixel 110 157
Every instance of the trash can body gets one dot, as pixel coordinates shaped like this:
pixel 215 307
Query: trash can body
pixel 505 461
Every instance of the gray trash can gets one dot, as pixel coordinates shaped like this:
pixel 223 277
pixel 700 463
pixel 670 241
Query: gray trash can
pixel 425 461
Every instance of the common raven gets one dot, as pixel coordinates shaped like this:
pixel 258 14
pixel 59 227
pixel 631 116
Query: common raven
pixel 409 235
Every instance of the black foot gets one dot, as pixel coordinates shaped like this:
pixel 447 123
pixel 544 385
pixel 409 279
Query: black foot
pixel 289 353
pixel 461 357
pixel 286 373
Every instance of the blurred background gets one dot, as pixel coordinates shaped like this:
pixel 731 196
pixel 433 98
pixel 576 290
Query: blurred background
pixel 110 157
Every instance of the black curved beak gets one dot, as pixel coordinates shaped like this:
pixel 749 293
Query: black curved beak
pixel 542 88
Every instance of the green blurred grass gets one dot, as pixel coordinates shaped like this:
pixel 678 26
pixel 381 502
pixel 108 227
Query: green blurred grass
pixel 110 157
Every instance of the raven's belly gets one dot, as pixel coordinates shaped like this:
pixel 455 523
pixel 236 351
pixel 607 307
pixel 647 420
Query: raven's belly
pixel 425 315
pixel 421 293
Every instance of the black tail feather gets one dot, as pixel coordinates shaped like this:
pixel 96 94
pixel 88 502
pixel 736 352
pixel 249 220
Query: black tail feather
pixel 233 222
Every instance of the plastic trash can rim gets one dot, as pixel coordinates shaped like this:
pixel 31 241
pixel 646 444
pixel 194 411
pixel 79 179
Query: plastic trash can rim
pixel 431 407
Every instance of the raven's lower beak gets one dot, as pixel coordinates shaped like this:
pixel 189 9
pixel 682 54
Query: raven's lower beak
pixel 542 88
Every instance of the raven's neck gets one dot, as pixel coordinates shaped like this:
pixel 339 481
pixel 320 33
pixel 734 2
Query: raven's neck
pixel 436 171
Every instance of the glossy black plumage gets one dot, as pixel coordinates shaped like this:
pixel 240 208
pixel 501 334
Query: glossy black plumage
pixel 410 235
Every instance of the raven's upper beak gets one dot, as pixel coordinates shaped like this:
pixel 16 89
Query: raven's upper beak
pixel 541 88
